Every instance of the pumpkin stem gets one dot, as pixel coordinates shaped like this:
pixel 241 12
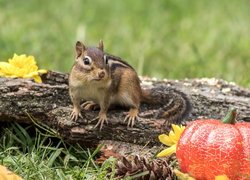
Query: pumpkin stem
pixel 230 117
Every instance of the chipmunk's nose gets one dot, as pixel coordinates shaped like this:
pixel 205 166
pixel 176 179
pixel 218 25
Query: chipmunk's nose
pixel 101 74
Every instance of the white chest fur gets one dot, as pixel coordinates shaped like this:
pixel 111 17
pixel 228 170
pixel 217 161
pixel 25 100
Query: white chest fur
pixel 92 91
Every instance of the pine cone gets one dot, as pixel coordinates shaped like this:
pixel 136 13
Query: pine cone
pixel 141 169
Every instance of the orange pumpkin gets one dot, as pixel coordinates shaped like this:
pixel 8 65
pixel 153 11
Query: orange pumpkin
pixel 208 148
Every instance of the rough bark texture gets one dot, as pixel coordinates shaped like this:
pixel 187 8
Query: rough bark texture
pixel 49 103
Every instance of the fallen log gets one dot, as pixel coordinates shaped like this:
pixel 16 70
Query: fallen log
pixel 49 104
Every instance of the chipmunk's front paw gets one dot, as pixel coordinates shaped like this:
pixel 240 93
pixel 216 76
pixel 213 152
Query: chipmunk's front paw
pixel 75 114
pixel 101 119
pixel 131 117
pixel 89 105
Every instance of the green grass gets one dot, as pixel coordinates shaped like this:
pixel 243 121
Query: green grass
pixel 35 154
pixel 164 39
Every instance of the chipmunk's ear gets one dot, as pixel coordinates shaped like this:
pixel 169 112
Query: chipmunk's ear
pixel 101 46
pixel 80 48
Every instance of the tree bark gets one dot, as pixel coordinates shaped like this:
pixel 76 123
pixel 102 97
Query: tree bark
pixel 22 100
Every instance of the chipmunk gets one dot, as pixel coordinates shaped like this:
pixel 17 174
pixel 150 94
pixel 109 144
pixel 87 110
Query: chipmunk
pixel 103 79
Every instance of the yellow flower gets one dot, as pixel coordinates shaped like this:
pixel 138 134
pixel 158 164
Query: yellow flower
pixel 170 140
pixel 22 67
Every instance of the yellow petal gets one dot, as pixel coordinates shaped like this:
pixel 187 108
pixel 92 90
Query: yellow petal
pixel 177 130
pixel 3 68
pixel 4 65
pixel 183 128
pixel 31 59
pixel 37 79
pixel 182 176
pixel 167 152
pixel 32 74
pixel 173 137
pixel 42 71
pixel 7 69
pixel 164 139
pixel 221 177
pixel 12 76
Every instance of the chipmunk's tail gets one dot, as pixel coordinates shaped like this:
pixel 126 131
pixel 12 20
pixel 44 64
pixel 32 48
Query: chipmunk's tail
pixel 175 106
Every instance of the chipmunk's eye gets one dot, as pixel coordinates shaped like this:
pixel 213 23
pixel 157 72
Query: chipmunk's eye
pixel 87 61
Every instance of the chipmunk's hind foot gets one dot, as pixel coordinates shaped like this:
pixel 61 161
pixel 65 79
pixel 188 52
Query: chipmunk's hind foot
pixel 89 105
